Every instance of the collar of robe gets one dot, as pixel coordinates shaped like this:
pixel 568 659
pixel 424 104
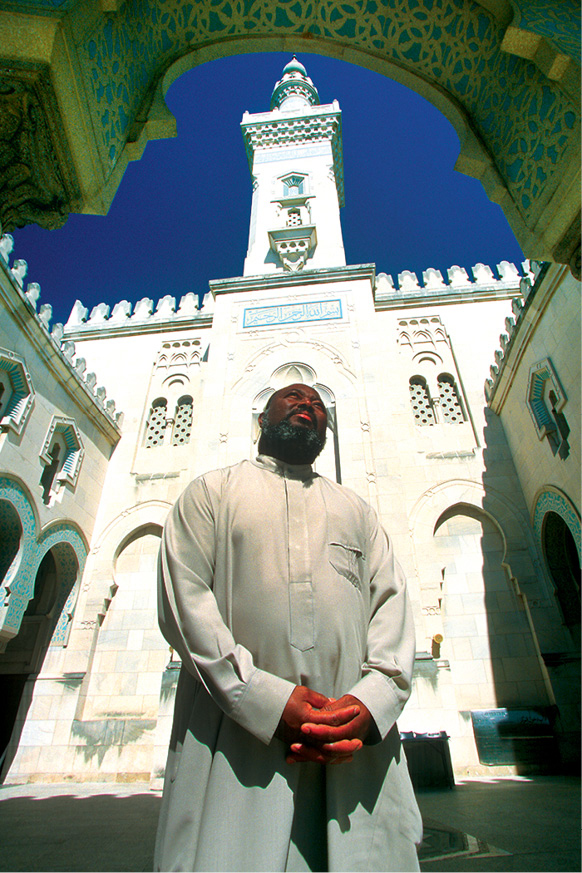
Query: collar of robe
pixel 291 471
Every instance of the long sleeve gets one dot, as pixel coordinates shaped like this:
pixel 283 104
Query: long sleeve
pixel 192 623
pixel 387 671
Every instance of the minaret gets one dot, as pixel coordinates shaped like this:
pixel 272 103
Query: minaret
pixel 296 162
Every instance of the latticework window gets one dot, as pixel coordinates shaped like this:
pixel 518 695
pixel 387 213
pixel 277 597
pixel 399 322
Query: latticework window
pixel 182 422
pixel 420 401
pixel 156 423
pixel 450 404
pixel 293 218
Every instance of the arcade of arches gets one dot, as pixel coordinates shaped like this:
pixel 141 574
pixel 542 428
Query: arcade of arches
pixel 82 89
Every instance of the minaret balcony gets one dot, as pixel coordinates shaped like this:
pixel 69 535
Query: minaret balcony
pixel 293 245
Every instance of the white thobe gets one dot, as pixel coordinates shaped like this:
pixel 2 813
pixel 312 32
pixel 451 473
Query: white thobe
pixel 270 577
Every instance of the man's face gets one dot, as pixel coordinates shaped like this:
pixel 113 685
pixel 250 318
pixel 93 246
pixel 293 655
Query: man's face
pixel 293 427
pixel 300 405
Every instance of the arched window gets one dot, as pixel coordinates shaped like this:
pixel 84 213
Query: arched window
pixel 156 427
pixel 293 186
pixel 420 401
pixel 182 422
pixel 450 402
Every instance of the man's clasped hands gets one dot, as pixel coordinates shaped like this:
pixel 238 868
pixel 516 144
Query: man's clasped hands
pixel 321 729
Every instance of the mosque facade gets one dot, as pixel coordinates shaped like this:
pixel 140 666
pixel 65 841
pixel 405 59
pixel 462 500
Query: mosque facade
pixel 454 410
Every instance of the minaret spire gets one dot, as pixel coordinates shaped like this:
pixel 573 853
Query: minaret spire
pixel 295 158
pixel 294 90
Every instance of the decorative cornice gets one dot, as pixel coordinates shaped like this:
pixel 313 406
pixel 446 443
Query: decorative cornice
pixel 165 318
pixel 270 281
pixel 410 293
pixel 274 130
pixel 513 344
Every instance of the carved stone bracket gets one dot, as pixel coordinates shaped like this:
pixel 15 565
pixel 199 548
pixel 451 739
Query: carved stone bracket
pixel 293 245
pixel 37 180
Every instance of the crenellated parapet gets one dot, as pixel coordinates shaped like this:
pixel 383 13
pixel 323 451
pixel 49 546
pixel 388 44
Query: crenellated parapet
pixel 457 288
pixel 143 316
pixel 24 304
pixel 513 325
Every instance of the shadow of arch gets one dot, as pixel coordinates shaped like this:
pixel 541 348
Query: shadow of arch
pixel 475 554
pixel 511 522
pixel 556 524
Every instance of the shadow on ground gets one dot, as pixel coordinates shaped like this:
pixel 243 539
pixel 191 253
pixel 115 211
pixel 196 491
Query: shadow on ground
pixel 84 833
pixel 497 825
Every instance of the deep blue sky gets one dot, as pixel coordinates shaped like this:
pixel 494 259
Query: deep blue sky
pixel 181 214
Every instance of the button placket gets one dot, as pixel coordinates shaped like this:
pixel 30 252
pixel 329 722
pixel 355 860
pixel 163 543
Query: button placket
pixel 301 606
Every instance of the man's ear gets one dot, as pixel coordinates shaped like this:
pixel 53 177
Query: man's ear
pixel 261 415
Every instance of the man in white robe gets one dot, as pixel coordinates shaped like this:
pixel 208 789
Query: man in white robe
pixel 281 594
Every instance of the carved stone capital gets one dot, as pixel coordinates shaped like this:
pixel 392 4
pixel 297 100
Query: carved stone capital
pixel 568 249
pixel 37 179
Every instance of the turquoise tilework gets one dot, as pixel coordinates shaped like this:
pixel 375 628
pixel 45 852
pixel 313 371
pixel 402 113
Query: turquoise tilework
pixel 526 122
pixel 70 554
pixel 552 501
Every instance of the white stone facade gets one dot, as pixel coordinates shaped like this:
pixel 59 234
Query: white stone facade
pixel 401 366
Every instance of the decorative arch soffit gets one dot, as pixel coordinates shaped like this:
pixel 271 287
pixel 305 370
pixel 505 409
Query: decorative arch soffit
pixel 119 531
pixel 100 581
pixel 113 538
pixel 293 352
pixel 514 84
pixel 70 548
pixel 33 548
pixel 552 500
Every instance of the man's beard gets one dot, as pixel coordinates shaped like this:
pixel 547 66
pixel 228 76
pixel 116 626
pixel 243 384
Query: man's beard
pixel 294 443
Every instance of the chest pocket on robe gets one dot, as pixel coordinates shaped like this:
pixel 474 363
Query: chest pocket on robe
pixel 348 561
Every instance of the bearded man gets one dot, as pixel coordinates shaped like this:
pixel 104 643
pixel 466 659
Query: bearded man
pixel 281 594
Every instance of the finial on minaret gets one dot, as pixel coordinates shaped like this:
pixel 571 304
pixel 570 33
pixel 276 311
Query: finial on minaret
pixel 294 90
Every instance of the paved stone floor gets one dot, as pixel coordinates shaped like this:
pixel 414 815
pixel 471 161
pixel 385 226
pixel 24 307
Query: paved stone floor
pixel 505 824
